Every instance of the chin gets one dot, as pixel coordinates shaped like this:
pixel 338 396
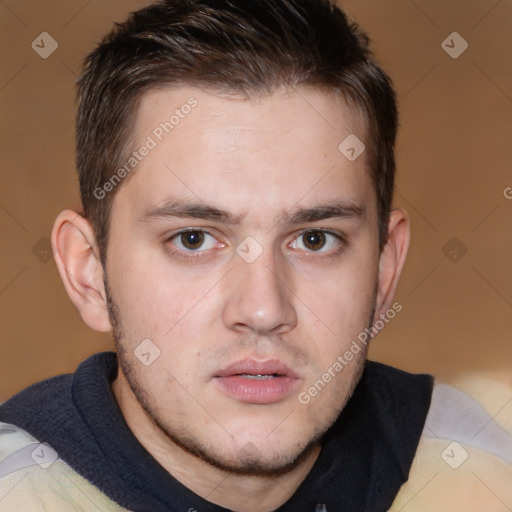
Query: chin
pixel 269 448
pixel 261 460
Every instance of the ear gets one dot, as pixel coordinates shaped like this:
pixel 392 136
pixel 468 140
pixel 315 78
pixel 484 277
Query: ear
pixel 77 257
pixel 392 259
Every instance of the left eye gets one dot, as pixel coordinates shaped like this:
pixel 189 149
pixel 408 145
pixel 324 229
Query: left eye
pixel 193 240
pixel 315 241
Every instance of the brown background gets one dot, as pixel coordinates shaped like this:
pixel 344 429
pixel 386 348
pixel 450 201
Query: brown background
pixel 454 163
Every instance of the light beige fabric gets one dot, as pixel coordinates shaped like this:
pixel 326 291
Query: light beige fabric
pixel 47 484
pixel 482 483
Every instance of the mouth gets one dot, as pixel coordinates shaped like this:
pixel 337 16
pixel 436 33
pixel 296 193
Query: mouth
pixel 257 382
pixel 258 377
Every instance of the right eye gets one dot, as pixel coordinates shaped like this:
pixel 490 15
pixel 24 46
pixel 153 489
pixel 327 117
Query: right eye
pixel 191 240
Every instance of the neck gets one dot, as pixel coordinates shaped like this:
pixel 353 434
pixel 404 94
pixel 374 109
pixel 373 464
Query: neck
pixel 240 493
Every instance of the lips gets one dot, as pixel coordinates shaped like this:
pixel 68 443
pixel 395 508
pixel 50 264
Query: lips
pixel 257 382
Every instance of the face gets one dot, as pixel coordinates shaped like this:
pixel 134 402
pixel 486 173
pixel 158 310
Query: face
pixel 244 250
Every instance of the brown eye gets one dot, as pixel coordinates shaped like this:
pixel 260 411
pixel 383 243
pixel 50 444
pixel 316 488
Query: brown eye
pixel 318 241
pixel 192 240
pixel 313 240
pixel 193 243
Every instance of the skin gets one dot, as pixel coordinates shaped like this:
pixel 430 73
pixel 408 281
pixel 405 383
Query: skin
pixel 261 161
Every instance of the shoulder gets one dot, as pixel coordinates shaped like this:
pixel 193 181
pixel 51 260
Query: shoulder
pixel 464 459
pixel 397 386
pixel 402 401
pixel 39 404
pixel 33 477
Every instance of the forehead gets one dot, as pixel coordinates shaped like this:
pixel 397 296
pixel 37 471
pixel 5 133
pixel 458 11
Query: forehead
pixel 276 150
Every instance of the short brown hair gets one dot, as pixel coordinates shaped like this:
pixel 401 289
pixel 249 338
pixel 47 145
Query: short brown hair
pixel 240 46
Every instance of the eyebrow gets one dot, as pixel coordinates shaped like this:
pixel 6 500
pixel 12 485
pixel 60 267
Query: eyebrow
pixel 197 210
pixel 340 210
pixel 189 210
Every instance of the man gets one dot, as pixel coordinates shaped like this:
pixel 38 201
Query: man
pixel 236 166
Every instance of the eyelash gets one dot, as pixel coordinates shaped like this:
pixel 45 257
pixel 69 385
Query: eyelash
pixel 192 255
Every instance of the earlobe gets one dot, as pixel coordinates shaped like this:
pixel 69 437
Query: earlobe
pixel 392 259
pixel 76 255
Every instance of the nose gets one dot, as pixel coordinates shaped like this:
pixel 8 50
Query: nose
pixel 259 300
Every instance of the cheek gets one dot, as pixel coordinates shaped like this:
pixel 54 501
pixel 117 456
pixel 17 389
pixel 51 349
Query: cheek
pixel 154 299
pixel 339 311
pixel 341 302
